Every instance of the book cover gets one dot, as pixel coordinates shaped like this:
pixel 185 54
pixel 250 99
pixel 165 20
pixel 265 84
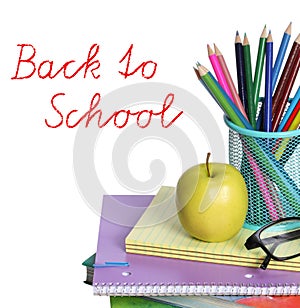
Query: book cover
pixel 119 273
pixel 205 301
pixel 89 264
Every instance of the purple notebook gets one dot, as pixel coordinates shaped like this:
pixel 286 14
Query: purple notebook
pixel 119 273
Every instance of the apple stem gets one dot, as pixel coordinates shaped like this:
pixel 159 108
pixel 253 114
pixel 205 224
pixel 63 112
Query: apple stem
pixel 207 165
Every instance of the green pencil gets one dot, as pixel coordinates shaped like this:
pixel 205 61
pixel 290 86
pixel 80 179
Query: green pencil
pixel 259 67
pixel 249 82
pixel 223 102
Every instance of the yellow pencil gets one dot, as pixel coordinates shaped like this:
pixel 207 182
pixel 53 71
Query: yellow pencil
pixel 294 125
pixel 296 122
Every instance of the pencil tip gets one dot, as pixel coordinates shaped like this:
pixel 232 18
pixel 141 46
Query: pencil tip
pixel 237 38
pixel 237 32
pixel 289 29
pixel 202 70
pixel 217 50
pixel 269 39
pixel 245 41
pixel 264 32
pixel 209 49
pixel 196 72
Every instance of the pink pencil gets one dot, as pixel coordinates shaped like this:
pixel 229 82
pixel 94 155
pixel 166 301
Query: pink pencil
pixel 218 71
pixel 262 185
pixel 234 94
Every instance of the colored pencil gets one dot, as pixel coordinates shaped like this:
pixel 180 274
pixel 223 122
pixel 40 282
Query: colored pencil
pixel 224 100
pixel 249 81
pixel 267 118
pixel 286 120
pixel 218 70
pixel 286 83
pixel 202 82
pixel 289 125
pixel 291 145
pixel 259 176
pixel 240 70
pixel 267 161
pixel 234 94
pixel 287 146
pixel 281 53
pixel 231 103
pixel 296 122
pixel 259 67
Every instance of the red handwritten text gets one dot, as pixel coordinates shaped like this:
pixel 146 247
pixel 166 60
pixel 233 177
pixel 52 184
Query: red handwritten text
pixel 94 112
pixel 46 68
pixel 142 66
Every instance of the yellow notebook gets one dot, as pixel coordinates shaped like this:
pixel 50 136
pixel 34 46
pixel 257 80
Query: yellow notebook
pixel 159 233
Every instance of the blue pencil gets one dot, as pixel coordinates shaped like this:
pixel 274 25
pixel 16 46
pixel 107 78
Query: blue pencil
pixel 267 118
pixel 240 71
pixel 205 86
pixel 289 110
pixel 280 56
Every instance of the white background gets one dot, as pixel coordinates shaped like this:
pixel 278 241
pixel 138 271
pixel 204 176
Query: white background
pixel 47 229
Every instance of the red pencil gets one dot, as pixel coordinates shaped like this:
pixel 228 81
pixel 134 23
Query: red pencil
pixel 292 117
pixel 286 83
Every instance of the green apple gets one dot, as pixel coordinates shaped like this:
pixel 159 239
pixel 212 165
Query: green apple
pixel 212 201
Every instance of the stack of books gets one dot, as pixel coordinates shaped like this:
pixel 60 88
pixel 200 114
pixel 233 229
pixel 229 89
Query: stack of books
pixel 144 255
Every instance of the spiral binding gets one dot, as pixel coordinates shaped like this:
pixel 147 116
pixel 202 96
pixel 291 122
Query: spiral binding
pixel 191 289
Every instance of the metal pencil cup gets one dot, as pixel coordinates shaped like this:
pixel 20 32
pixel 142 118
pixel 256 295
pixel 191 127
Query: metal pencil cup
pixel 270 165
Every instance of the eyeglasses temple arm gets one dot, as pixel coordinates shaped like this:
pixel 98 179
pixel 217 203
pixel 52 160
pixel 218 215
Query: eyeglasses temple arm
pixel 268 258
pixel 266 262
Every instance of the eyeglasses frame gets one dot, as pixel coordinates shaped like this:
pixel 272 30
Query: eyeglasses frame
pixel 254 241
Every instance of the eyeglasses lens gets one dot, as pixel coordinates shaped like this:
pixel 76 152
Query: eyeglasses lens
pixel 282 239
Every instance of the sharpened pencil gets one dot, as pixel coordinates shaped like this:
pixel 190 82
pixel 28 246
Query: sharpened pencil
pixel 240 70
pixel 224 100
pixel 249 81
pixel 289 112
pixel 202 82
pixel 234 95
pixel 281 54
pixel 286 83
pixel 218 70
pixel 267 118
pixel 259 67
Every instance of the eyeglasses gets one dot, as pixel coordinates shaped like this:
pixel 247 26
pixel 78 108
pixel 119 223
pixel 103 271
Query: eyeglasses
pixel 280 240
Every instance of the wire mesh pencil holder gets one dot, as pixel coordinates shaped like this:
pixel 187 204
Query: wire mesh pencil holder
pixel 270 165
